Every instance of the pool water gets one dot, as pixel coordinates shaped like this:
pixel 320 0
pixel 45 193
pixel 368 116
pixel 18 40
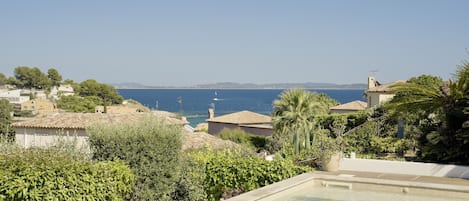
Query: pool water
pixel 320 193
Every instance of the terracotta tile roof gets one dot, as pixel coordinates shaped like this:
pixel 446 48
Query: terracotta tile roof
pixel 84 120
pixel 199 140
pixel 243 117
pixel 354 105
pixel 385 88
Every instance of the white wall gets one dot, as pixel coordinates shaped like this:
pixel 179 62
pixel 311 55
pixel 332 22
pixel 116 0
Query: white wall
pixel 14 96
pixel 378 98
pixel 40 137
pixel 403 167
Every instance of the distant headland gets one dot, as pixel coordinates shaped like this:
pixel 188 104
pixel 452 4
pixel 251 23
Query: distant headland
pixel 234 85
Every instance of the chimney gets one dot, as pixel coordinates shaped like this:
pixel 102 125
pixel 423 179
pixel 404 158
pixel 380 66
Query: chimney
pixel 211 113
pixel 371 82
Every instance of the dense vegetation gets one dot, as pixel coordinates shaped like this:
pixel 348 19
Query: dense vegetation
pixel 152 150
pixel 88 94
pixel 229 172
pixel 437 114
pixel 52 174
pixel 7 133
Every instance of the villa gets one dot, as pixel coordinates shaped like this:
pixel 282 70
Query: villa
pixel 64 90
pixel 44 131
pixel 378 93
pixel 14 96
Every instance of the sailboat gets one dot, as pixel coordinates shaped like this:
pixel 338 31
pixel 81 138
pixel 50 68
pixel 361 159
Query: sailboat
pixel 216 99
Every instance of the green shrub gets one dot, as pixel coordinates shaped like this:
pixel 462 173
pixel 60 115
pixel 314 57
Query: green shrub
pixel 36 174
pixel 190 185
pixel 23 113
pixel 247 139
pixel 230 172
pixel 7 132
pixel 152 150
pixel 388 145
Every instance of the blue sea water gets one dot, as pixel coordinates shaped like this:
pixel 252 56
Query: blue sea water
pixel 194 103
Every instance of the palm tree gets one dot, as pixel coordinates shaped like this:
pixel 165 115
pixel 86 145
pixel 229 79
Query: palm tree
pixel 445 105
pixel 293 114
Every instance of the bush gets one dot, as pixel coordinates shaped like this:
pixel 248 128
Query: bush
pixel 152 150
pixel 36 174
pixel 7 133
pixel 229 172
pixel 247 139
pixel 23 113
pixel 190 185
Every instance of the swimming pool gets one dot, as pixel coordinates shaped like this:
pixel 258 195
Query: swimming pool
pixel 315 192
pixel 316 187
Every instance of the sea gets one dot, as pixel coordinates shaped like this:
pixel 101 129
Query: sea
pixel 194 103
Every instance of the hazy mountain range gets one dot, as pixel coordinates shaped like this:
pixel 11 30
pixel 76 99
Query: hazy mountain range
pixel 234 85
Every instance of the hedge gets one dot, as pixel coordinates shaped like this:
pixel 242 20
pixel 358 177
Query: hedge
pixel 230 172
pixel 36 174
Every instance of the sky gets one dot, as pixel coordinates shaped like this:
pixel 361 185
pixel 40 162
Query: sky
pixel 184 43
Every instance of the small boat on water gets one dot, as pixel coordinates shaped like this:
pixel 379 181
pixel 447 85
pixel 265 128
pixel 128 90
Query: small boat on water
pixel 216 99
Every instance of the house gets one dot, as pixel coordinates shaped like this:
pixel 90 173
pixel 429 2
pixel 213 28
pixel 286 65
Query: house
pixel 14 96
pixel 39 106
pixel 353 106
pixel 62 90
pixel 378 93
pixel 126 107
pixel 246 121
pixel 45 131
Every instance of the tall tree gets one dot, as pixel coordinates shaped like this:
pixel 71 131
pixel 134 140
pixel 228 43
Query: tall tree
pixel 293 114
pixel 54 77
pixel 7 133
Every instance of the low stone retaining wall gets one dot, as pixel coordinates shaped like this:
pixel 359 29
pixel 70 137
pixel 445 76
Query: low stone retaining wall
pixel 402 167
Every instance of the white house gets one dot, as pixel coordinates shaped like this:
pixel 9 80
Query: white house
pixel 378 93
pixel 65 90
pixel 14 96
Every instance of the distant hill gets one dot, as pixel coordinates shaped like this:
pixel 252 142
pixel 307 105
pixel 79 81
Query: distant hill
pixel 234 85
pixel 308 85
pixel 130 85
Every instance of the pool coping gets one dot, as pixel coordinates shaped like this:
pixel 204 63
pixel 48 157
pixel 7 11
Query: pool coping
pixel 284 185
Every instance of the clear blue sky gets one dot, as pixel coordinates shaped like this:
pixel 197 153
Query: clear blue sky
pixel 195 42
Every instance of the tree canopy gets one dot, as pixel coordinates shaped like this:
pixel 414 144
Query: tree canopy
pixel 54 77
pixel 107 93
pixel 78 104
pixel 31 77
pixel 27 77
